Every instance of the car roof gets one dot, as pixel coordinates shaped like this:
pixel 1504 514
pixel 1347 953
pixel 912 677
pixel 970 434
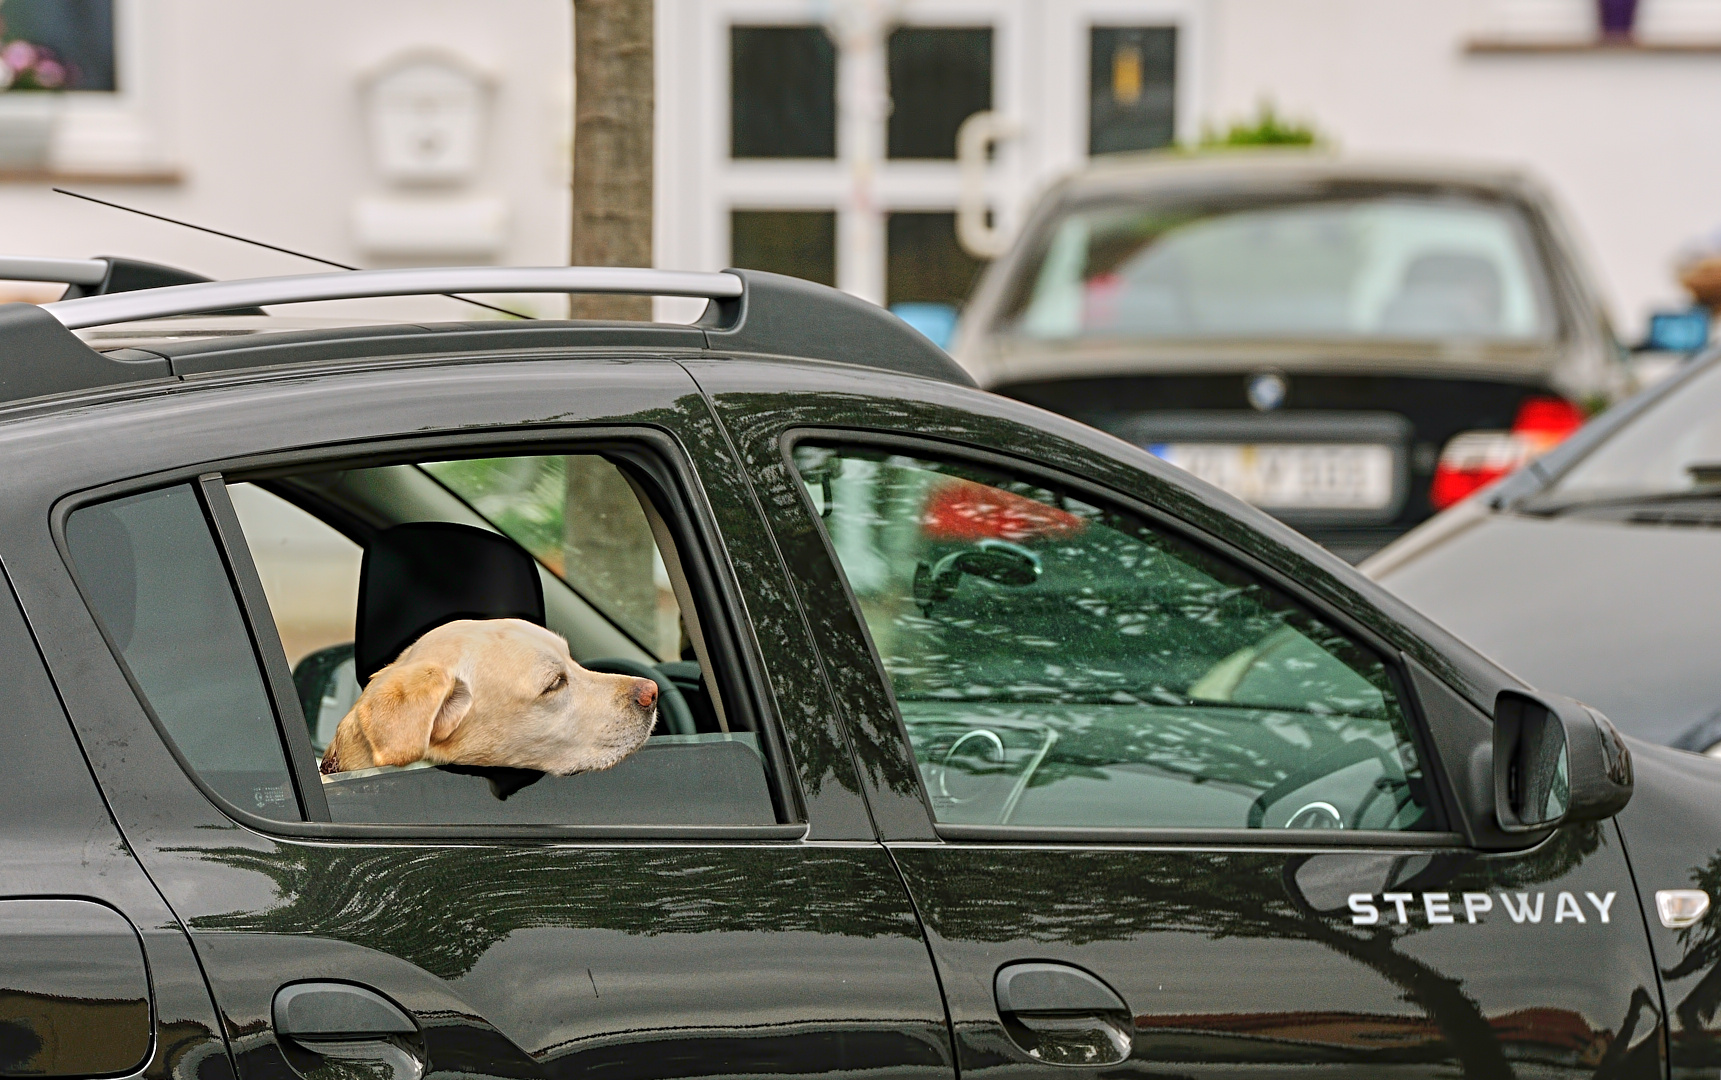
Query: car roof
pixel 1268 170
pixel 114 340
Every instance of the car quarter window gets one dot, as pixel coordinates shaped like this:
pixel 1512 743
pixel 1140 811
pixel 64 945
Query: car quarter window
pixel 1060 663
pixel 473 641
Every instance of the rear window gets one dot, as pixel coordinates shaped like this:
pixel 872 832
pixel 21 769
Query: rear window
pixel 1400 267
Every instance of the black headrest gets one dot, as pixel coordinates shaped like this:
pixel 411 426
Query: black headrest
pixel 418 576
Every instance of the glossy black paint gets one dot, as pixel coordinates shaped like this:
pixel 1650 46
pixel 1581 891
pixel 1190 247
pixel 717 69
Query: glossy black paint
pixel 1672 833
pixel 546 954
pixel 1231 954
pixel 1436 409
pixel 554 953
pixel 72 964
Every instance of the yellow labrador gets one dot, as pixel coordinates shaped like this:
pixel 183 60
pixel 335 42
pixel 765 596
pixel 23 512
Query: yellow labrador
pixel 493 692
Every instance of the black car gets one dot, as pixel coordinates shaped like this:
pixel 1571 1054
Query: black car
pixel 989 745
pixel 1350 345
pixel 1596 569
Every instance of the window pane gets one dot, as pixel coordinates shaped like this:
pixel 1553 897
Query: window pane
pixel 799 243
pixel 151 571
pixel 63 43
pixel 939 77
pixel 1057 663
pixel 472 539
pixel 310 572
pixel 1133 88
pixel 578 516
pixel 924 263
pixel 1217 265
pixel 782 92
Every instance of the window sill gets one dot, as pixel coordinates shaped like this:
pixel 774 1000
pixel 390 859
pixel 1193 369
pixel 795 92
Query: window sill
pixel 76 176
pixel 1565 47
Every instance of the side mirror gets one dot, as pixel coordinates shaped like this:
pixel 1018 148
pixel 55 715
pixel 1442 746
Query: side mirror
pixel 997 561
pixel 1555 760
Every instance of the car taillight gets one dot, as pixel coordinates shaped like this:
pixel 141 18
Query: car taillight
pixel 965 511
pixel 1474 459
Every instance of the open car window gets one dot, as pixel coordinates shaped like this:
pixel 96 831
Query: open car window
pixel 1057 663
pixel 354 567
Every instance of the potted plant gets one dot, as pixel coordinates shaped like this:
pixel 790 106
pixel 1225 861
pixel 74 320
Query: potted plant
pixel 31 77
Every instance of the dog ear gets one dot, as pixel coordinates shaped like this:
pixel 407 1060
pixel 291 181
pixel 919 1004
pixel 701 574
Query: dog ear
pixel 408 706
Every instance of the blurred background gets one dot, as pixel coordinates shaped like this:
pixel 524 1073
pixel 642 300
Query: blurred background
pixel 819 136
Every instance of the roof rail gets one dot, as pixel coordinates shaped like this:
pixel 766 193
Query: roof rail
pixel 70 271
pixel 750 312
pixel 359 284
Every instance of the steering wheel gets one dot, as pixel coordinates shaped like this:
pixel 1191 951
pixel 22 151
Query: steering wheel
pixel 671 705
pixel 1352 753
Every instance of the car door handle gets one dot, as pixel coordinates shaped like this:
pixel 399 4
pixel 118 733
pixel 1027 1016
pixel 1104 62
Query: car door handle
pixel 332 1011
pixel 319 1024
pixel 1062 1015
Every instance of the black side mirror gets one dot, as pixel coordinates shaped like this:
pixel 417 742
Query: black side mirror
pixel 1555 760
pixel 997 561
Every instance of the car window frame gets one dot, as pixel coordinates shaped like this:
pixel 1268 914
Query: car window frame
pixel 1441 801
pixel 668 472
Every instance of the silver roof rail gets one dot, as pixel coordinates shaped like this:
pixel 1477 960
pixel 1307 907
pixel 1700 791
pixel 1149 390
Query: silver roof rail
pixel 70 271
pixel 359 284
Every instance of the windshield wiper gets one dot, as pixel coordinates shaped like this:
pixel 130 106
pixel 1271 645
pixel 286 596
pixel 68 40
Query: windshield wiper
pixel 1553 504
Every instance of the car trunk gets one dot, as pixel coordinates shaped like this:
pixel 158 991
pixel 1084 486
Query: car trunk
pixel 1346 458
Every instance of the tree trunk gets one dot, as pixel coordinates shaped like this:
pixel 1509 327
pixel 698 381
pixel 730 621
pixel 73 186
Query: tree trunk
pixel 613 103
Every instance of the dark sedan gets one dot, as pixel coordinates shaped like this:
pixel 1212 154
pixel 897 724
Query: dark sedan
pixel 1348 346
pixel 1598 568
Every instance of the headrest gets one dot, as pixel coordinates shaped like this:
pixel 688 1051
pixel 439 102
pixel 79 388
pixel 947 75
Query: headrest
pixel 420 575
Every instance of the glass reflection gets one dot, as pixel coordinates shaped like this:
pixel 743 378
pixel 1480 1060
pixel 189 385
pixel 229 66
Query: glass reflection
pixel 1057 663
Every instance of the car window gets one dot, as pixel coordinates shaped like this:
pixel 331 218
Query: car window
pixel 1671 447
pixel 1057 663
pixel 1398 267
pixel 359 564
pixel 151 572
pixel 607 540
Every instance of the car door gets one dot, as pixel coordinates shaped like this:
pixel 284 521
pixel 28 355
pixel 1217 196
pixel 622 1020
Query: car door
pixel 1162 807
pixel 517 947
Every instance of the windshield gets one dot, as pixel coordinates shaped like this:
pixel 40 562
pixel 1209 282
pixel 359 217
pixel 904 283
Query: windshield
pixel 1399 267
pixel 1672 446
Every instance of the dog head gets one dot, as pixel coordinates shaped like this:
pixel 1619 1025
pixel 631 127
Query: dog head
pixel 494 692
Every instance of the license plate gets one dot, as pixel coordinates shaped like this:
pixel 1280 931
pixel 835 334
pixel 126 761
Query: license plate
pixel 1291 476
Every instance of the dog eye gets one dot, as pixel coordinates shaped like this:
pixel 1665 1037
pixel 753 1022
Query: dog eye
pixel 557 683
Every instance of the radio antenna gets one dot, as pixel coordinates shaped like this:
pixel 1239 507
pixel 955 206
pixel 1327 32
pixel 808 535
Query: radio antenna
pixel 261 244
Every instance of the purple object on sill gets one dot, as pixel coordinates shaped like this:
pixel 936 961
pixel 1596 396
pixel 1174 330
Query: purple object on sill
pixel 1617 18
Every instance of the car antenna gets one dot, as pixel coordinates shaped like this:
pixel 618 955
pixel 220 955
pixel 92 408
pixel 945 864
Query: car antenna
pixel 271 247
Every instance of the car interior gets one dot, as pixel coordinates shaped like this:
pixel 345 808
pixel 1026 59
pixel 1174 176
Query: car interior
pixel 358 563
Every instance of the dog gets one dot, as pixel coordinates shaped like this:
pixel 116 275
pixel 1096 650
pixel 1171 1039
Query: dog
pixel 493 692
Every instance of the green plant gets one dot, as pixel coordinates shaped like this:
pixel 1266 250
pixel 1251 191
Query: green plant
pixel 1267 128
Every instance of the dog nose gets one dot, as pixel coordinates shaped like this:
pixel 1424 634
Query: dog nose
pixel 644 693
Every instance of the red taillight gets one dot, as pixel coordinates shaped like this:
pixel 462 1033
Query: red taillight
pixel 1472 460
pixel 966 511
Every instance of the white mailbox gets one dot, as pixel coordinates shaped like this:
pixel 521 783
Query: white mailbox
pixel 428 114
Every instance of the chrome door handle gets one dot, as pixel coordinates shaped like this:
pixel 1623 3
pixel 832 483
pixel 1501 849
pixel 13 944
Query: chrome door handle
pixel 1062 1015
pixel 322 1023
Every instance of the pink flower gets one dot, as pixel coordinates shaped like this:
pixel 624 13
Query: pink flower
pixel 18 55
pixel 50 73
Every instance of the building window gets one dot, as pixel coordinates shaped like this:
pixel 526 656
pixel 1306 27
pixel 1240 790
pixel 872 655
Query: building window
pixel 57 45
pixel 1133 83
pixel 923 262
pixel 939 77
pixel 782 92
pixel 800 243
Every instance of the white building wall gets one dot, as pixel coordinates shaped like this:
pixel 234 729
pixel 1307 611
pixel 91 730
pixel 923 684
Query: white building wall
pixel 1627 140
pixel 258 109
